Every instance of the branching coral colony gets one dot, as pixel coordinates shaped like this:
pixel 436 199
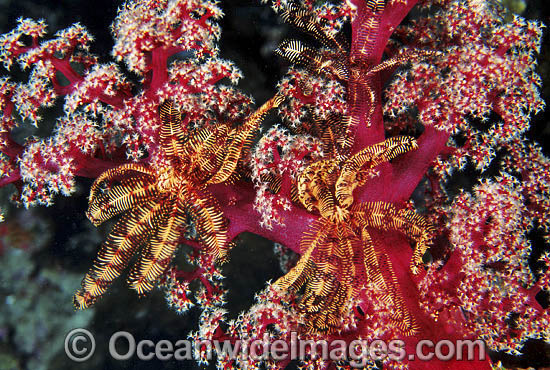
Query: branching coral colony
pixel 367 117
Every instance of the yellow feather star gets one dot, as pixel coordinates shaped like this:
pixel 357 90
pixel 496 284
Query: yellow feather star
pixel 337 62
pixel 338 254
pixel 156 202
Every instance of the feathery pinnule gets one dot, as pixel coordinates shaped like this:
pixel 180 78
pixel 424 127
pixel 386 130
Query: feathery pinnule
pixel 324 297
pixel 365 38
pixel 210 223
pixel 375 5
pixel 161 245
pixel 379 271
pixel 314 181
pixel 366 159
pixel 172 135
pixel 128 234
pixel 241 139
pixel 119 198
pixel 385 216
pixel 296 52
pixel 308 22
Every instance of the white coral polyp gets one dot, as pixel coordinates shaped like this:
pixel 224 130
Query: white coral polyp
pixel 143 25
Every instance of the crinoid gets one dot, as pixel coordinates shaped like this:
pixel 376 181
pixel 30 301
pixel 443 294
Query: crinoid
pixel 350 66
pixel 158 201
pixel 338 255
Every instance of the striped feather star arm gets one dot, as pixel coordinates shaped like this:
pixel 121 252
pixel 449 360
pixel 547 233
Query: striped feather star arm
pixel 355 167
pixel 379 272
pixel 209 221
pixel 386 216
pixel 314 238
pixel 128 234
pixel 308 22
pixel 158 252
pixel 172 134
pixel 120 197
pixel 120 172
pixel 314 186
pixel 241 140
